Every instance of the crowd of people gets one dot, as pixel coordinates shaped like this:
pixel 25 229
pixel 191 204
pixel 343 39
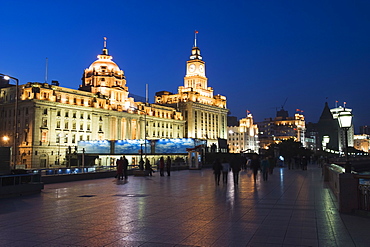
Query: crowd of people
pixel 264 164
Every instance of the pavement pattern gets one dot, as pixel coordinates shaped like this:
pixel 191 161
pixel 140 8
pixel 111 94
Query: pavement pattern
pixel 292 208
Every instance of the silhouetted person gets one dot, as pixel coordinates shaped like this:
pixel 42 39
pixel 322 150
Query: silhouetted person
pixel 148 167
pixel 236 167
pixel 161 166
pixel 168 165
pixel 255 166
pixel 272 163
pixel 119 164
pixel 225 170
pixel 265 166
pixel 141 164
pixel 304 162
pixel 125 166
pixel 217 168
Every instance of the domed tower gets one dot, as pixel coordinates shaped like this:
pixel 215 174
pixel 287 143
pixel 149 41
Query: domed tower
pixel 105 78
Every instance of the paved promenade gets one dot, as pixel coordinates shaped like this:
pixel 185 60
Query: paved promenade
pixel 292 208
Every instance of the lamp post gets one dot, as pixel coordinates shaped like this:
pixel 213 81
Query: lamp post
pixel 345 122
pixel 15 130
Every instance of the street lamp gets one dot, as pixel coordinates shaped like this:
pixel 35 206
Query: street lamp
pixel 345 122
pixel 15 140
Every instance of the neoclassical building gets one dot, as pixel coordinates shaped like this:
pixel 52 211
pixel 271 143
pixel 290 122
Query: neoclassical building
pixel 282 127
pixel 204 112
pixel 52 119
pixel 244 137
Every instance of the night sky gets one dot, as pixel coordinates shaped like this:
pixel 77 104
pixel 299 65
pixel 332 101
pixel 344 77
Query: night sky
pixel 259 54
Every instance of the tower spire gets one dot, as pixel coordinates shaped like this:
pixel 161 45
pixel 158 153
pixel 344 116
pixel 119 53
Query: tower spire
pixel 105 50
pixel 195 38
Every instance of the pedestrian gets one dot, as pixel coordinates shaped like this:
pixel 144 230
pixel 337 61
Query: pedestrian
pixel 141 164
pixel 255 166
pixel 125 167
pixel 304 162
pixel 225 170
pixel 168 166
pixel 119 164
pixel 248 163
pixel 217 168
pixel 272 163
pixel 161 166
pixel 236 167
pixel 148 167
pixel 265 166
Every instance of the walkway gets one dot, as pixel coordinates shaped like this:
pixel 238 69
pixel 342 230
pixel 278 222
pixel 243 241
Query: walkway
pixel 293 208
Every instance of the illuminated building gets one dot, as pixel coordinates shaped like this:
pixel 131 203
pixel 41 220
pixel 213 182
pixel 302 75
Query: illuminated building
pixel 340 132
pixel 204 112
pixel 53 118
pixel 282 127
pixel 331 137
pixel 243 138
pixel 361 142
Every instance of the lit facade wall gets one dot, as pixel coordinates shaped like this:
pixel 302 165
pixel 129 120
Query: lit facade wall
pixel 362 142
pixel 243 138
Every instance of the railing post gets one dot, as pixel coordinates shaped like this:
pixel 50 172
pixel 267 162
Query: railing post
pixel 348 193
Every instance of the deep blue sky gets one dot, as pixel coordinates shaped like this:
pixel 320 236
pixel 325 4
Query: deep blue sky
pixel 257 53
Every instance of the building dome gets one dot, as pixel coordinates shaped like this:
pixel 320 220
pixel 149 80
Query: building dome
pixel 104 64
pixel 107 64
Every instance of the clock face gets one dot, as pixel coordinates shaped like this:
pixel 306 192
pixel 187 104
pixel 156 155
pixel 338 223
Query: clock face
pixel 191 68
pixel 201 68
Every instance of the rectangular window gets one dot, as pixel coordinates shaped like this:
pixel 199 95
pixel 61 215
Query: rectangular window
pixel 44 136
pixel 44 123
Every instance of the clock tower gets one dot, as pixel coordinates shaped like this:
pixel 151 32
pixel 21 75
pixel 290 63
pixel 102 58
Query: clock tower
pixel 195 78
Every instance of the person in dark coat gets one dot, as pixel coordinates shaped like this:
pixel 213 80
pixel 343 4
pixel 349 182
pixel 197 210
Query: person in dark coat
pixel 225 170
pixel 304 162
pixel 217 168
pixel 168 165
pixel 119 164
pixel 255 166
pixel 161 166
pixel 125 167
pixel 236 167
pixel 265 166
pixel 148 167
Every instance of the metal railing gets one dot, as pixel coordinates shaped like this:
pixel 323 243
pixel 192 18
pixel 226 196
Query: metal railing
pixel 363 192
pixel 18 179
pixel 80 170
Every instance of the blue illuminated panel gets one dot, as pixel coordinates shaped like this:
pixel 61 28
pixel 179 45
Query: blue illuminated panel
pixel 130 146
pixel 94 147
pixel 173 145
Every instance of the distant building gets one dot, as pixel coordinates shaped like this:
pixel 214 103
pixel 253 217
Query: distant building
pixel 282 127
pixel 364 130
pixel 204 112
pixel 243 138
pixel 312 136
pixel 330 135
pixel 362 142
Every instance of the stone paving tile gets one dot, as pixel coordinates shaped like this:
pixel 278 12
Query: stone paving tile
pixel 293 208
